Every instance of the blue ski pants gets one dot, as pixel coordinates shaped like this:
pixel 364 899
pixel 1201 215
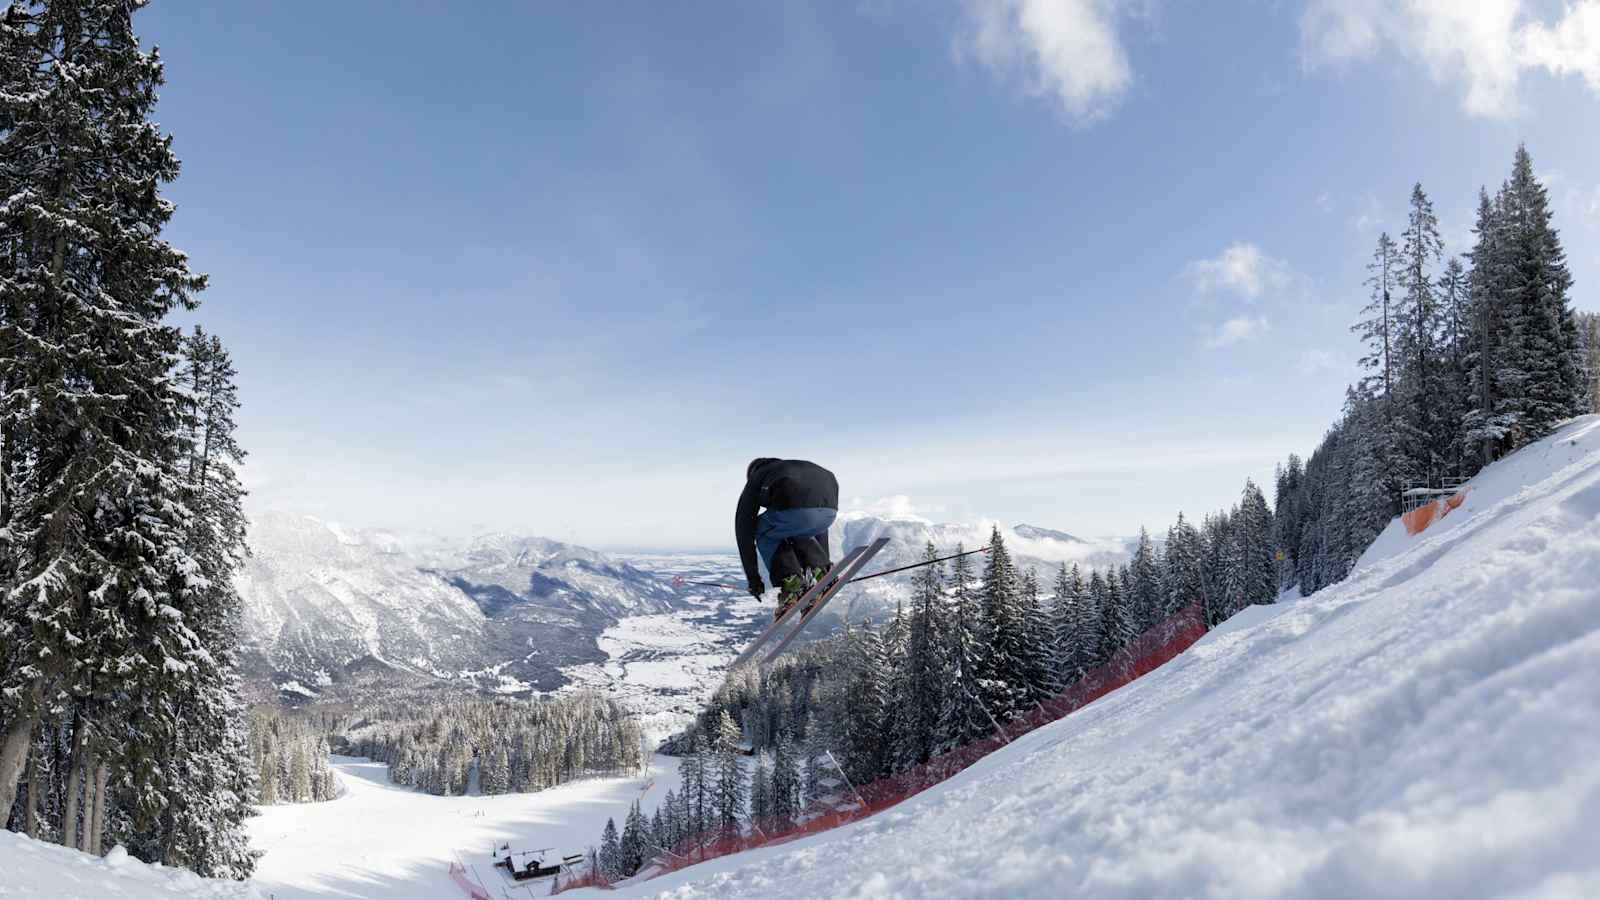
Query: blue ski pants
pixel 775 526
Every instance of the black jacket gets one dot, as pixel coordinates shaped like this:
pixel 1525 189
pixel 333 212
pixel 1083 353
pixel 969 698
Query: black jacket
pixel 779 484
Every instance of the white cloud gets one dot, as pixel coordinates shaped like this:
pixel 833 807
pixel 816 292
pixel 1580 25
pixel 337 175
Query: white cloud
pixel 1237 330
pixel 896 507
pixel 1243 268
pixel 1065 50
pixel 1487 44
pixel 1571 47
pixel 1325 202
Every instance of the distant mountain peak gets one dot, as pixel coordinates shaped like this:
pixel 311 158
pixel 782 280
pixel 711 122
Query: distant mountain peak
pixel 1035 533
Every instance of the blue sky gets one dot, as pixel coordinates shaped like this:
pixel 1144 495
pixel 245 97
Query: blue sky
pixel 568 267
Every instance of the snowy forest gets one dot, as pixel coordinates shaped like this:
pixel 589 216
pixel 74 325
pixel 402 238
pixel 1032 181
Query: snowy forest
pixel 970 651
pixel 1466 362
pixel 516 746
pixel 120 520
pixel 290 752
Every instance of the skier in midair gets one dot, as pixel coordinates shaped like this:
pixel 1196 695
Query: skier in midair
pixel 791 537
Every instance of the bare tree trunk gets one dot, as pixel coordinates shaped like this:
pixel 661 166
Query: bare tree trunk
pixel 30 817
pixel 69 817
pixel 14 747
pixel 97 820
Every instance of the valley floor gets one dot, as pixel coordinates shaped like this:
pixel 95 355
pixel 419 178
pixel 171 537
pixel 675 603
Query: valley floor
pixel 382 840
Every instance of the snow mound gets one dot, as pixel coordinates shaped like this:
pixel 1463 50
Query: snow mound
pixel 1430 727
pixel 30 868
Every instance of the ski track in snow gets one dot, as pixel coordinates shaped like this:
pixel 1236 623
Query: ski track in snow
pixel 381 840
pixel 1428 728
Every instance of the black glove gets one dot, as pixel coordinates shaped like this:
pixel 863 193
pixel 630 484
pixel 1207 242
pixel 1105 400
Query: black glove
pixel 757 588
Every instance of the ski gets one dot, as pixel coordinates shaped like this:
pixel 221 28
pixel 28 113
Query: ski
pixel 844 579
pixel 772 628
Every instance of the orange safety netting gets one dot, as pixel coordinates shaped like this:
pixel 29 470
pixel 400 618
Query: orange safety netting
pixel 1428 513
pixel 1149 651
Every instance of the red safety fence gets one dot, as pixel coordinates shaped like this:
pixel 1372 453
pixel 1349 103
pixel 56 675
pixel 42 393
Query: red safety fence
pixel 458 874
pixel 1151 650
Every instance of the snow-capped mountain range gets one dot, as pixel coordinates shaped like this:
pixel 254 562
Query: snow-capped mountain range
pixel 328 606
pixel 324 603
pixel 1030 545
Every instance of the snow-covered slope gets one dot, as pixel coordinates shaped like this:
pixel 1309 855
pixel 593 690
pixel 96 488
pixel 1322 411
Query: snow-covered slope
pixel 32 869
pixel 324 603
pixel 1430 727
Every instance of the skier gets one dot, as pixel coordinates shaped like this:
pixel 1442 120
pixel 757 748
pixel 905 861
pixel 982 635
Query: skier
pixel 802 500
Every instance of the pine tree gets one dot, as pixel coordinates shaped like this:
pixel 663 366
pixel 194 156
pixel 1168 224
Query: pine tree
pixel 1424 435
pixel 1117 626
pixel 1217 537
pixel 610 853
pixel 963 718
pixel 108 616
pixel 1003 676
pixel 1252 571
pixel 631 849
pixel 1376 330
pixel 761 792
pixel 1455 401
pixel 925 673
pixel 1538 282
pixel 813 771
pixel 692 771
pixel 867 744
pixel 1490 421
pixel 786 786
pixel 1144 584
pixel 1182 578
pixel 728 793
pixel 1076 622
pixel 1038 656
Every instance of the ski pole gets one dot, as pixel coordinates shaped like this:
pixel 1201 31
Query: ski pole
pixel 926 562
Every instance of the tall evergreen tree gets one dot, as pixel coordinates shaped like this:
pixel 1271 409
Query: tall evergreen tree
pixel 107 617
pixel 1376 328
pixel 786 786
pixel 1423 433
pixel 728 795
pixel 1038 648
pixel 964 718
pixel 610 852
pixel 1182 578
pixel 925 677
pixel 1003 676
pixel 1544 331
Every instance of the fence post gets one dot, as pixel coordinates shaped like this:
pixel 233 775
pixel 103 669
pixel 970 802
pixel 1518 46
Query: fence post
pixel 840 769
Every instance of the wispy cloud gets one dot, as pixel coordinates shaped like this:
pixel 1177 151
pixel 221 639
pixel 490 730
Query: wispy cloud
pixel 1065 50
pixel 897 506
pixel 1313 361
pixel 1242 268
pixel 1237 330
pixel 1485 44
pixel 1369 217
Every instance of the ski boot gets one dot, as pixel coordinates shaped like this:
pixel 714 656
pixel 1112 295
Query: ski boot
pixel 794 587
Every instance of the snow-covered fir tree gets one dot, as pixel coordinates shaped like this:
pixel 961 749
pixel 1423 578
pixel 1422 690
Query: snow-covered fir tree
pixel 728 790
pixel 116 454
